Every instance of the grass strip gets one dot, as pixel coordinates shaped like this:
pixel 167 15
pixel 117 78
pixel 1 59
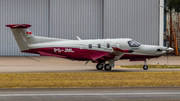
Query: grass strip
pixel 106 79
pixel 154 66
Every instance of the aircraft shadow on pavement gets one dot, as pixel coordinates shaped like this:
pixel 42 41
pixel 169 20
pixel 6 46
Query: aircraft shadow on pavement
pixel 94 70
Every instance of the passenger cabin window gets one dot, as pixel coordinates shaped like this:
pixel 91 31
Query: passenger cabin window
pixel 90 45
pixel 108 45
pixel 99 45
pixel 133 43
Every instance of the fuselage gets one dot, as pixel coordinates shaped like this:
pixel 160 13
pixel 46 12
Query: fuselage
pixel 87 49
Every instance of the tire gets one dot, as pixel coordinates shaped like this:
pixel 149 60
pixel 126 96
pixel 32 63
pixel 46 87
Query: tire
pixel 99 66
pixel 107 67
pixel 145 67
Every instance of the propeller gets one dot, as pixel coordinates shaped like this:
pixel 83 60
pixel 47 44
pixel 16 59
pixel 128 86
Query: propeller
pixel 169 50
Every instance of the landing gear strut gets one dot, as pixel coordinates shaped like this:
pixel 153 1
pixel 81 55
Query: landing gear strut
pixel 145 67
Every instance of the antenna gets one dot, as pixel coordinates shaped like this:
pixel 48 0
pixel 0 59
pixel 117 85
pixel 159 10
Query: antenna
pixel 78 38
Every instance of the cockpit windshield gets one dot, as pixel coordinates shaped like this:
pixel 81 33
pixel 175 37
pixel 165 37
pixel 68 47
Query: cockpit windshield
pixel 133 43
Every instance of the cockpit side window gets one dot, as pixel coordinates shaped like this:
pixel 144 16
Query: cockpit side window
pixel 133 43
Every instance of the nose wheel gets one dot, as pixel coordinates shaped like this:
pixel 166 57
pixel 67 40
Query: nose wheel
pixel 145 67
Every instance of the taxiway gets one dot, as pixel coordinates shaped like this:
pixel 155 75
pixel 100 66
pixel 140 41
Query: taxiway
pixel 54 64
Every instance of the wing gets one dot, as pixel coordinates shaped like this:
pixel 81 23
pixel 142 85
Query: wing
pixel 116 54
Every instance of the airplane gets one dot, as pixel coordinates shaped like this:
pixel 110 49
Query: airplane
pixel 104 52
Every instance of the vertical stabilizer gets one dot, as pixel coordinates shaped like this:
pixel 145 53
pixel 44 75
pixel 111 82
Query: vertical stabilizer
pixel 22 35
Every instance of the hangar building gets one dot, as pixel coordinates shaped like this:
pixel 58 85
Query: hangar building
pixel 141 20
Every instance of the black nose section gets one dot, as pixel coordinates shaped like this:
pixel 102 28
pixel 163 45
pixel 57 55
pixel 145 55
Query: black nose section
pixel 130 51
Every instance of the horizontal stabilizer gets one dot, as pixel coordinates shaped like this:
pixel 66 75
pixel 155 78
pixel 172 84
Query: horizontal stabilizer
pixel 18 26
pixel 49 54
pixel 123 50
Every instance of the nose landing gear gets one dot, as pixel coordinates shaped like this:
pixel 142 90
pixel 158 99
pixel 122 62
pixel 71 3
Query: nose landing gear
pixel 145 67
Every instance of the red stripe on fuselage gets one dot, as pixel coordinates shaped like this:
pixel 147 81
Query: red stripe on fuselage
pixel 71 53
pixel 85 54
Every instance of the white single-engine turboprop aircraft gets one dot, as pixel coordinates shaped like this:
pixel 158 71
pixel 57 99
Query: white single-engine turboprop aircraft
pixel 98 50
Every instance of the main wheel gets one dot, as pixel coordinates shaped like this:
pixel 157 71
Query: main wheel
pixel 145 67
pixel 107 67
pixel 99 66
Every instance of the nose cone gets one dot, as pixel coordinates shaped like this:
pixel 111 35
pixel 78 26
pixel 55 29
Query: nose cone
pixel 170 49
pixel 165 49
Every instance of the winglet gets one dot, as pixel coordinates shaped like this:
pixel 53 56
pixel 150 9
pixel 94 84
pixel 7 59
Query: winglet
pixel 78 38
pixel 125 50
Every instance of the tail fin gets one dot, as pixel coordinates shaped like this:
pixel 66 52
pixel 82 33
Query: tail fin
pixel 22 35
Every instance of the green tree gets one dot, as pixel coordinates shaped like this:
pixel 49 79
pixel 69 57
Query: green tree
pixel 172 6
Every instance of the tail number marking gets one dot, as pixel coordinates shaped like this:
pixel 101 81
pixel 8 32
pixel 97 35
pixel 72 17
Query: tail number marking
pixel 66 50
pixel 57 50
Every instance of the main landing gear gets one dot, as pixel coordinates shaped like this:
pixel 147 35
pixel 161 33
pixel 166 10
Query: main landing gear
pixel 106 67
pixel 99 66
pixel 145 67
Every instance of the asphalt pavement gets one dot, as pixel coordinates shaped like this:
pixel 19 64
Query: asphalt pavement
pixel 54 64
pixel 92 94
